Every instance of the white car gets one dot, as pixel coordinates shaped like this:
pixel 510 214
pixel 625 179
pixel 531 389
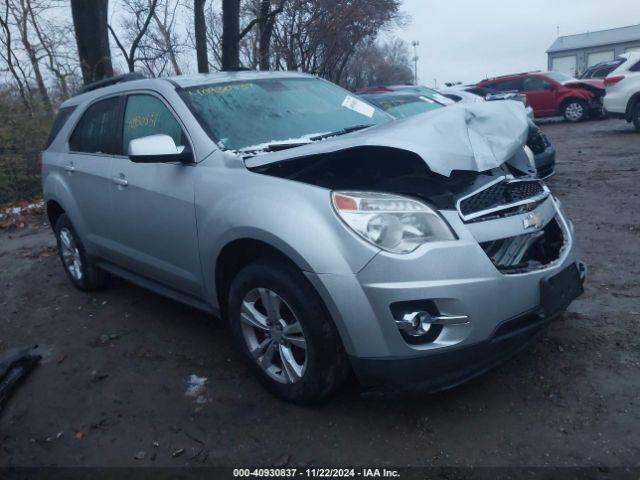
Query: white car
pixel 470 94
pixel 623 90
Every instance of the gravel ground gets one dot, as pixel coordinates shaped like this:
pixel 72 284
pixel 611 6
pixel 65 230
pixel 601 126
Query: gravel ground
pixel 111 386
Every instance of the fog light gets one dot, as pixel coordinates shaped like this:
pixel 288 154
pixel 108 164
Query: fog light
pixel 415 324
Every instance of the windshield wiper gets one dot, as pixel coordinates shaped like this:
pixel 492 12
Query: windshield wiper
pixel 337 133
pixel 272 147
pixel 276 147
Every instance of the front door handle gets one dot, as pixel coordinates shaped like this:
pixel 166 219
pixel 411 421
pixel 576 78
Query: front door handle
pixel 70 168
pixel 120 181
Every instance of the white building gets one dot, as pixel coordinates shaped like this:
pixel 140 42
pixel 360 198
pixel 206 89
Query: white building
pixel 573 54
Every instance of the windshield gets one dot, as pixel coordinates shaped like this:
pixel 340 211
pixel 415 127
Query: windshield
pixel 402 106
pixel 560 77
pixel 250 115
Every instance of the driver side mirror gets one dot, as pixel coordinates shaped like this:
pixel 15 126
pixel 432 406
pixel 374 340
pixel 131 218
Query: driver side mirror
pixel 158 149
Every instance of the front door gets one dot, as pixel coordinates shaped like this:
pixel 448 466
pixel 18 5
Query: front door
pixel 153 203
pixel 541 95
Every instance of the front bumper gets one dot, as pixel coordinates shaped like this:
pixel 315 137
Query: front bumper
pixel 428 374
pixel 461 280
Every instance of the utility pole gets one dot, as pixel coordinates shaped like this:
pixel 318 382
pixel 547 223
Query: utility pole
pixel 415 44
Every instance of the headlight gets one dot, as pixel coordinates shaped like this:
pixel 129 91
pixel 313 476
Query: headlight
pixel 394 223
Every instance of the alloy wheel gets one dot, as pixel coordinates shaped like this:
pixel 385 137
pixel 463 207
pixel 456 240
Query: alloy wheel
pixel 70 254
pixel 574 111
pixel 273 335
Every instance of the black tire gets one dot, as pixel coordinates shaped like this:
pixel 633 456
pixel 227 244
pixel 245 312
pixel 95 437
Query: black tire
pixel 326 361
pixel 91 277
pixel 635 116
pixel 574 110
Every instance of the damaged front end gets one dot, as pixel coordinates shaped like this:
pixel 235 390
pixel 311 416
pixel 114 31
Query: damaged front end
pixel 486 177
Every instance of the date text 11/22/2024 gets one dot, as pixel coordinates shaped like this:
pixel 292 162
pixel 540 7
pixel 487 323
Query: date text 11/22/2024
pixel 316 472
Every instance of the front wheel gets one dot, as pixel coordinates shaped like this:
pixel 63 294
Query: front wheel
pixel 83 274
pixel 574 111
pixel 285 334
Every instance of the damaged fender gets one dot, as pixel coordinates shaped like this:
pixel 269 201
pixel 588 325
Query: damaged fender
pixel 472 137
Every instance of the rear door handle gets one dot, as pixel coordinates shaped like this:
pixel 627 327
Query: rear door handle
pixel 70 168
pixel 120 181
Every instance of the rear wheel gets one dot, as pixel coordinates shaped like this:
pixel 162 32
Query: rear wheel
pixel 281 327
pixel 574 111
pixel 83 274
pixel 635 115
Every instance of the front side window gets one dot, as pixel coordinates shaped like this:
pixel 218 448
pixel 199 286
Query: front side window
pixel 534 84
pixel 560 77
pixel 147 115
pixel 245 115
pixel 95 132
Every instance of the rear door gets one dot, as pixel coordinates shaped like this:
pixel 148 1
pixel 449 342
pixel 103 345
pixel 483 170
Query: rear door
pixel 85 168
pixel 541 95
pixel 153 203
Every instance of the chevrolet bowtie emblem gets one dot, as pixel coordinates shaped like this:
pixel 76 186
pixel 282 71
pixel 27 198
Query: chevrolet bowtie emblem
pixel 533 220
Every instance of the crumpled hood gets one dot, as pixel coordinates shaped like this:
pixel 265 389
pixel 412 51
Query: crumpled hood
pixel 475 137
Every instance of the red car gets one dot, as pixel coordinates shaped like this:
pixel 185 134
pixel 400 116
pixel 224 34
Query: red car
pixel 554 93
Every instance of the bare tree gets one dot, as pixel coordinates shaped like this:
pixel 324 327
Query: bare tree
pixel 92 38
pixel 20 11
pixel 265 18
pixel 9 57
pixel 57 50
pixel 136 28
pixel 164 24
pixel 200 32
pixel 321 36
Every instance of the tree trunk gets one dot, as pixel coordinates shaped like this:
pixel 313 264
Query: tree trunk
pixel 230 34
pixel 92 37
pixel 200 28
pixel 264 34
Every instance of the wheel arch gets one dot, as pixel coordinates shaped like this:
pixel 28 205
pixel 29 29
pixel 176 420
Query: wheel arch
pixel 54 211
pixel 635 98
pixel 240 252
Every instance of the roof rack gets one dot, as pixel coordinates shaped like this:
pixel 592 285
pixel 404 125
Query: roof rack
pixel 127 77
pixel 514 74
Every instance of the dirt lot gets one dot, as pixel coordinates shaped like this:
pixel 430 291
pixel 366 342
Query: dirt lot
pixel 112 383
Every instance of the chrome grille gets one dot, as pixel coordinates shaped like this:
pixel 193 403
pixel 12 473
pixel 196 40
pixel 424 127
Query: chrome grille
pixel 501 195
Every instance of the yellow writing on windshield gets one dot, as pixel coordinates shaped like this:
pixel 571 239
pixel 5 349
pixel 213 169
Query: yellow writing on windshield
pixel 221 89
pixel 143 121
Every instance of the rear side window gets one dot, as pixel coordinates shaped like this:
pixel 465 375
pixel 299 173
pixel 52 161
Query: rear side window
pixel 635 68
pixel 97 130
pixel 62 117
pixel 146 115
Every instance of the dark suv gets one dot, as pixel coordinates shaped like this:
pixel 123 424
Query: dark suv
pixel 554 93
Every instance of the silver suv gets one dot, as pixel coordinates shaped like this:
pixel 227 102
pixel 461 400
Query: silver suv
pixel 415 253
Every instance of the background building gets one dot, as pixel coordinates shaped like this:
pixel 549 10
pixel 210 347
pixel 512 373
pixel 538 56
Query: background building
pixel 573 54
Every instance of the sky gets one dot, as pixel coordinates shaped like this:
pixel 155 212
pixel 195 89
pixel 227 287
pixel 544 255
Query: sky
pixel 467 41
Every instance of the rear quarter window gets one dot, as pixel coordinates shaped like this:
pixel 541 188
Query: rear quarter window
pixel 59 122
